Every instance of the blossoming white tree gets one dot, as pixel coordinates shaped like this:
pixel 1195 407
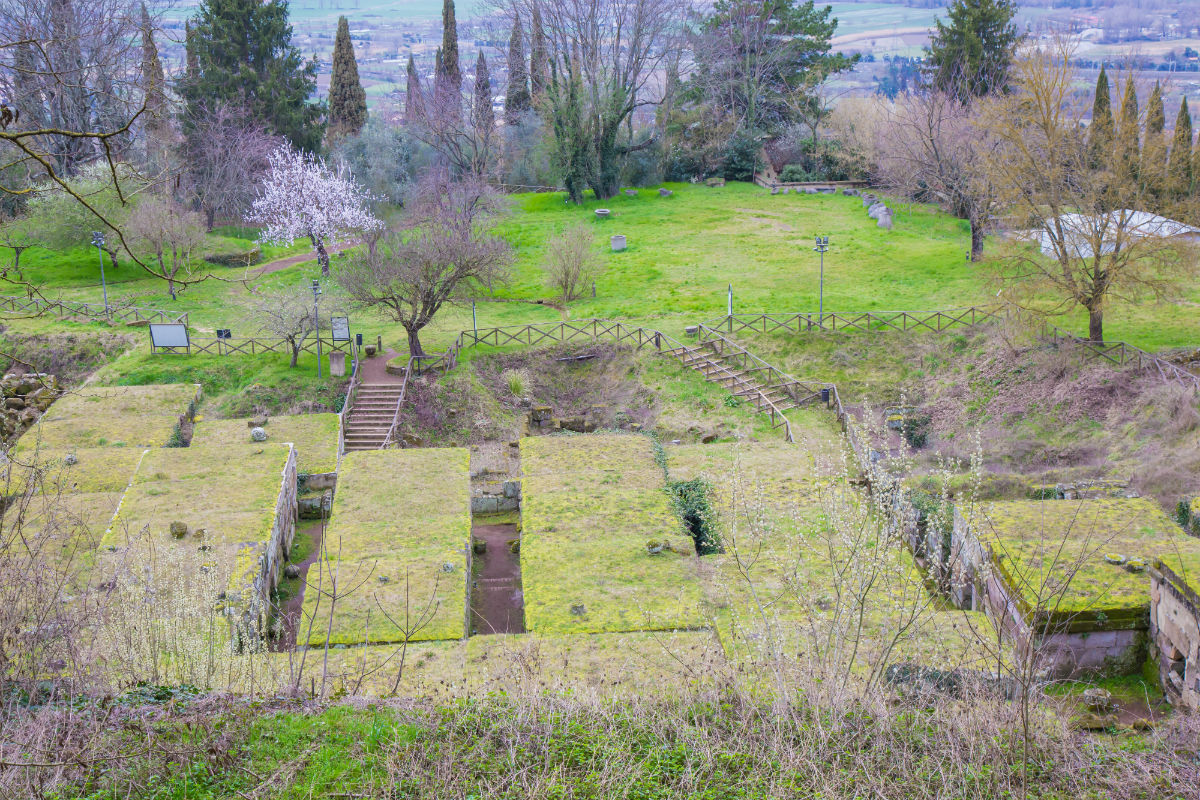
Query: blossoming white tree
pixel 301 196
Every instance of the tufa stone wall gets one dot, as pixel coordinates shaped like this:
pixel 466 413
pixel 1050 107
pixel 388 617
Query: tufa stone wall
pixel 1175 636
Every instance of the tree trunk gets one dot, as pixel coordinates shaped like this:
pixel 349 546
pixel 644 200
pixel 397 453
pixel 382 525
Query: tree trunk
pixel 210 218
pixel 414 341
pixel 322 256
pixel 1096 325
pixel 295 351
pixel 976 241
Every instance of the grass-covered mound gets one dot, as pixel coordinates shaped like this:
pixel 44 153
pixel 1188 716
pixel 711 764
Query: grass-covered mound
pixel 1055 555
pixel 315 437
pixel 227 504
pixel 57 471
pixel 112 416
pixel 398 531
pixel 594 506
pixel 63 532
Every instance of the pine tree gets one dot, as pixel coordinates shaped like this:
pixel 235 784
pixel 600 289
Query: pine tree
pixel 1100 134
pixel 539 56
pixel 244 56
pixel 482 114
pixel 451 74
pixel 1153 167
pixel 414 106
pixel 1128 147
pixel 972 54
pixel 1179 167
pixel 516 99
pixel 347 100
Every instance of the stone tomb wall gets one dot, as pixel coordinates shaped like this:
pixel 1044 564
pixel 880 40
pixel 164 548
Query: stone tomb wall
pixel 1175 634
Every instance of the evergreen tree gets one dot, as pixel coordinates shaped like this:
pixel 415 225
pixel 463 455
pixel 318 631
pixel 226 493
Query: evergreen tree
pixel 1100 134
pixel 1153 167
pixel 516 99
pixel 1179 167
pixel 413 102
pixel 154 92
pixel 1128 146
pixel 539 56
pixel 347 100
pixel 192 68
pixel 971 55
pixel 449 71
pixel 483 116
pixel 244 56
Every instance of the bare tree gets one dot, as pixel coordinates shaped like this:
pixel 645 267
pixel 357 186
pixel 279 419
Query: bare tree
pixel 286 313
pixel 1091 243
pixel 225 157
pixel 933 148
pixel 446 251
pixel 572 265
pixel 169 233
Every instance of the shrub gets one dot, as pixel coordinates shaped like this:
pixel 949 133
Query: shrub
pixel 794 173
pixel 691 503
pixel 916 430
pixel 227 252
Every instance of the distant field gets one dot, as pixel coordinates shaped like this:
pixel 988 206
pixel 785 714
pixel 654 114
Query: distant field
pixel 860 18
pixel 394 11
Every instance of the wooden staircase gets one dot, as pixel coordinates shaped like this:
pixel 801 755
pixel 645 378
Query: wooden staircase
pixel 370 418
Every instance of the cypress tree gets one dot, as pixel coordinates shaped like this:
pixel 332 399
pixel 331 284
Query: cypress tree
pixel 244 56
pixel 539 56
pixel 153 80
pixel 413 102
pixel 1127 143
pixel 484 117
pixel 192 67
pixel 347 100
pixel 451 74
pixel 1179 167
pixel 516 99
pixel 1100 134
pixel 971 55
pixel 1153 168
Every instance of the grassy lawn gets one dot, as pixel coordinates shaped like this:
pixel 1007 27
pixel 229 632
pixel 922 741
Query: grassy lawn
pixel 126 416
pixel 591 504
pixel 315 437
pixel 396 544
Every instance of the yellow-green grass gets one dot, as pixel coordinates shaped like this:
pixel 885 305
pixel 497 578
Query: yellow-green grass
pixel 429 670
pixel 591 504
pixel 398 531
pixel 111 416
pixel 95 469
pixel 659 663
pixel 62 532
pixel 770 472
pixel 1051 553
pixel 315 437
pixel 228 505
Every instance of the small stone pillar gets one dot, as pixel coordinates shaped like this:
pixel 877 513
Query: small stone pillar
pixel 337 364
pixel 617 242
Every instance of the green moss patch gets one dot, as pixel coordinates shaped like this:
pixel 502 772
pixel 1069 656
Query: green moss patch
pixel 315 437
pixel 398 535
pixel 66 531
pixel 593 508
pixel 55 471
pixel 112 416
pixel 1056 550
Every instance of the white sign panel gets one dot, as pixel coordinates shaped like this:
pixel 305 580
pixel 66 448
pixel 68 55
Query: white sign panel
pixel 340 326
pixel 168 334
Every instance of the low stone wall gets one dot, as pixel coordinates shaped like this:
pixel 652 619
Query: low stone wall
pixel 1175 635
pixel 509 499
pixel 256 574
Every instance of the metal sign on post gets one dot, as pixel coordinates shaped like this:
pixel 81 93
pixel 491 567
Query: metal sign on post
pixel 169 337
pixel 224 333
pixel 339 329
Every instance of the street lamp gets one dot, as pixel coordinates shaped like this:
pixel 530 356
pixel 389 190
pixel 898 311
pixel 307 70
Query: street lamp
pixel 822 248
pixel 316 287
pixel 98 243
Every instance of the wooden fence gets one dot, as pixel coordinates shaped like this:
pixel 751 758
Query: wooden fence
pixel 116 312
pixel 254 346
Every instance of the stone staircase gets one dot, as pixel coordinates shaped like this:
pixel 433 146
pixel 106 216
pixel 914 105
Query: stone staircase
pixel 371 415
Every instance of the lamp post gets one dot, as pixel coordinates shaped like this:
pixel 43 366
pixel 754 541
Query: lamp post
pixel 98 242
pixel 822 248
pixel 316 289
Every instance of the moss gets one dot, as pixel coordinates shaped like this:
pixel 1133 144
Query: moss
pixel 315 437
pixel 399 518
pixel 112 416
pixel 87 470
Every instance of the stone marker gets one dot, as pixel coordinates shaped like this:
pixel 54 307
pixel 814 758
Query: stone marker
pixel 603 213
pixel 631 192
pixel 179 529
pixel 337 364
pixel 258 435
pixel 665 193
pixel 617 242
pixel 885 221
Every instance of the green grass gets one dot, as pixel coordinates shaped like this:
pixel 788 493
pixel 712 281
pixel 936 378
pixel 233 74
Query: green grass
pixel 591 504
pixel 95 469
pixel 125 416
pixel 399 518
pixel 315 437
pixel 1039 545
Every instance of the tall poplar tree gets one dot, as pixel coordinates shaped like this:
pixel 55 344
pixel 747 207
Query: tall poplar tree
pixel 1179 165
pixel 1128 145
pixel 1100 134
pixel 516 98
pixel 1153 167
pixel 539 56
pixel 482 114
pixel 347 100
pixel 972 53
pixel 244 56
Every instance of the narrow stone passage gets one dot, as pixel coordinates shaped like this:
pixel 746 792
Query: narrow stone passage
pixel 497 602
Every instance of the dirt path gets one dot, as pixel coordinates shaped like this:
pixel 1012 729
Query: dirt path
pixel 291 261
pixel 497 602
pixel 290 614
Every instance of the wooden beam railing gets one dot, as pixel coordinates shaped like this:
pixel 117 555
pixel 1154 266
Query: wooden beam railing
pixel 347 404
pixel 114 311
pixel 391 434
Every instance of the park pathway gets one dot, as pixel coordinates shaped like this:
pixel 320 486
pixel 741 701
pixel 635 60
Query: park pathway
pixel 374 406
